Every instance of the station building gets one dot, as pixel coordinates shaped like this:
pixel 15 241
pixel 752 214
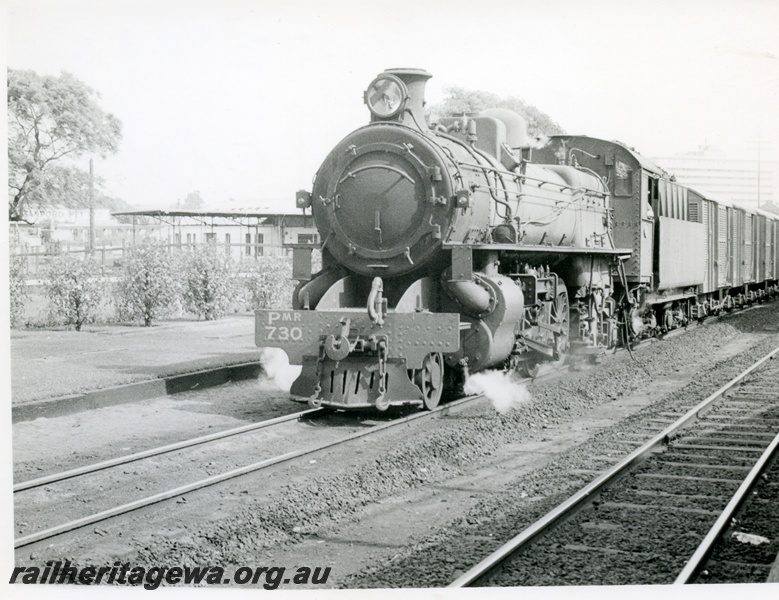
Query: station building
pixel 242 232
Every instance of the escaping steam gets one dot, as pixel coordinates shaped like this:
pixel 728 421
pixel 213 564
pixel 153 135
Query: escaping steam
pixel 499 388
pixel 279 374
pixel 539 141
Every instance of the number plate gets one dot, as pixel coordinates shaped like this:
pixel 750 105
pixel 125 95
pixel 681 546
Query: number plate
pixel 410 335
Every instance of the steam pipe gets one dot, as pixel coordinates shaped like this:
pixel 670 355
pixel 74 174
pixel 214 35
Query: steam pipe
pixel 473 297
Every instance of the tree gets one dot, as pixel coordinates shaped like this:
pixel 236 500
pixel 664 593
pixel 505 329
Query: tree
pixel 459 101
pixel 17 287
pixel 113 203
pixel 74 288
pixel 268 281
pixel 209 281
pixel 193 201
pixel 149 285
pixel 51 122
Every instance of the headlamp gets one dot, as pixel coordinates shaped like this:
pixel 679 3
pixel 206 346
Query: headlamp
pixel 386 96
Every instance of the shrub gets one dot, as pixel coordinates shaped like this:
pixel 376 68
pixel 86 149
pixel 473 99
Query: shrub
pixel 74 287
pixel 149 286
pixel 17 275
pixel 208 281
pixel 268 282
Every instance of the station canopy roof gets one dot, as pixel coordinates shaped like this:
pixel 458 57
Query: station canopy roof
pixel 244 217
pixel 202 213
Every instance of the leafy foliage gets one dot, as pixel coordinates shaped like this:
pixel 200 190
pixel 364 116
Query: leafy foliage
pixel 459 101
pixel 268 281
pixel 209 281
pixel 113 203
pixel 17 274
pixel 51 121
pixel 149 286
pixel 193 201
pixel 74 288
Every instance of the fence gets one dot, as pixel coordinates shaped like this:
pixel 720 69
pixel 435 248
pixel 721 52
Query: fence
pixel 112 258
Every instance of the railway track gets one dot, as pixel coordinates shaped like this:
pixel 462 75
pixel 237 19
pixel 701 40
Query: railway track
pixel 655 516
pixel 129 458
pixel 699 568
pixel 48 495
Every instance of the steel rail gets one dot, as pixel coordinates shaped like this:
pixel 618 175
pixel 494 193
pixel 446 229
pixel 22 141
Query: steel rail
pixel 161 497
pixel 583 496
pixel 209 481
pixel 704 550
pixel 121 460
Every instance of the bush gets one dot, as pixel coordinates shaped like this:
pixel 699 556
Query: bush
pixel 17 274
pixel 209 281
pixel 268 282
pixel 149 286
pixel 73 288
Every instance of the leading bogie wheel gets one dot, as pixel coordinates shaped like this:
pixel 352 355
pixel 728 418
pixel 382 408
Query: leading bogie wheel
pixel 560 315
pixel 430 380
pixel 528 368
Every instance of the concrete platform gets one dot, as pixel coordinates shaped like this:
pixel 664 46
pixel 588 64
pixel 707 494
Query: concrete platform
pixel 57 365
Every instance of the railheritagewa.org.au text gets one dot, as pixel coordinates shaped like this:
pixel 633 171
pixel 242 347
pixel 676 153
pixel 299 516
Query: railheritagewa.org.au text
pixel 270 578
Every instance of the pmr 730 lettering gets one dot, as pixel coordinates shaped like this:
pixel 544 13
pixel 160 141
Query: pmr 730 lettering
pixel 277 331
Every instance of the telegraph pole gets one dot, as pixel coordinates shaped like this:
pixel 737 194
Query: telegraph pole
pixel 91 206
pixel 760 143
pixel 758 169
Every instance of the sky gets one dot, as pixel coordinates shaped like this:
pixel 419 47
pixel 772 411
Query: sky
pixel 243 99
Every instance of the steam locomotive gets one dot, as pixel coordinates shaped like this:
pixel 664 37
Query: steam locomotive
pixel 460 245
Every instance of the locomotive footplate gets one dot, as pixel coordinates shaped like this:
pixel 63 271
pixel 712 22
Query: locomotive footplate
pixel 348 360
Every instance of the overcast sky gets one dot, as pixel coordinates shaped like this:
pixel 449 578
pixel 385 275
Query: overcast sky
pixel 243 99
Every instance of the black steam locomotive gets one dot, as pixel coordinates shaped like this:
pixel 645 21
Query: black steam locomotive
pixel 457 246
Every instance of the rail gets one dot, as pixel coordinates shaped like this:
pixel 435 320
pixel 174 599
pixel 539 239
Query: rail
pixel 565 510
pixel 238 472
pixel 440 411
pixel 123 460
pixel 696 563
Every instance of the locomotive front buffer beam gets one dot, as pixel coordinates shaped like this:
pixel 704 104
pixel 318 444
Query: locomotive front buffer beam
pixel 349 361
